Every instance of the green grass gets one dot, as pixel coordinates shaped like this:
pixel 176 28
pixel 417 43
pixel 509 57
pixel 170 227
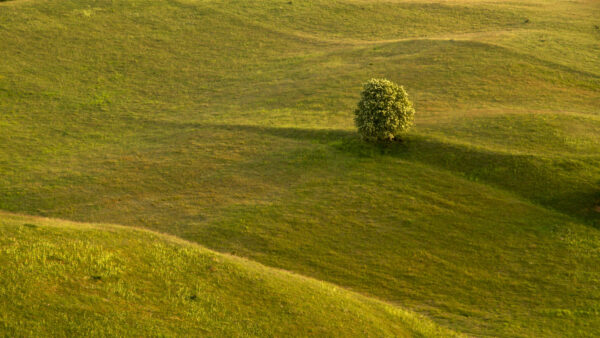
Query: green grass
pixel 229 124
pixel 63 279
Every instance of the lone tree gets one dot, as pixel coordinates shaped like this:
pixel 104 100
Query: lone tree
pixel 383 112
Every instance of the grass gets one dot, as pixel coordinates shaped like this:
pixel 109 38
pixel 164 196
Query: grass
pixel 61 278
pixel 229 124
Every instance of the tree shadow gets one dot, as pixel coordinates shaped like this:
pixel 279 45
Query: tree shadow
pixel 299 134
pixel 549 182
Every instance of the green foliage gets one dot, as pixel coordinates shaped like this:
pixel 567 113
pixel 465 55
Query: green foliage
pixel 384 111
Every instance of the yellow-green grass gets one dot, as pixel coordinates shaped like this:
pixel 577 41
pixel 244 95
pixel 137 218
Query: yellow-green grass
pixel 74 279
pixel 229 123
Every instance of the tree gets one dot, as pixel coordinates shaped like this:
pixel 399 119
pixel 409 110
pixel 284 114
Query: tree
pixel 383 112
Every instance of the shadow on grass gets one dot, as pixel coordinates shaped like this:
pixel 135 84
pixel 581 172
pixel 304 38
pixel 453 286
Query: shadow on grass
pixel 556 183
pixel 300 134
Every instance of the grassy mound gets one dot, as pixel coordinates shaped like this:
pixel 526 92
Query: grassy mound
pixel 60 278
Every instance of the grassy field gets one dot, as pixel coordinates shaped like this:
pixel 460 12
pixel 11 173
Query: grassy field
pixel 60 278
pixel 229 124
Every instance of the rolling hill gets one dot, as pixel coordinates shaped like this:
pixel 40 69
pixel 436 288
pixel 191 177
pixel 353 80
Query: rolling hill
pixel 229 124
pixel 73 279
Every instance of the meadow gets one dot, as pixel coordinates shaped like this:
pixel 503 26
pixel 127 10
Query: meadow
pixel 228 124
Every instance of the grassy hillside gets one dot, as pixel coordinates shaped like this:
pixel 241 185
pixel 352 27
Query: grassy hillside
pixel 63 279
pixel 229 123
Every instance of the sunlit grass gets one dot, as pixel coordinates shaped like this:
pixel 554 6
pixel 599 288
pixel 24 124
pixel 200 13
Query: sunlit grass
pixel 61 278
pixel 229 124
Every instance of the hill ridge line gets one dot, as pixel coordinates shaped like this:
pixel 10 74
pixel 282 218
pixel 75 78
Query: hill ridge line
pixel 469 36
pixel 354 42
pixel 181 241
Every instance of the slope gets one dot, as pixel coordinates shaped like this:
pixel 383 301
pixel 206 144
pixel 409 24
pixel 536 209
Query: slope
pixel 229 123
pixel 61 278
